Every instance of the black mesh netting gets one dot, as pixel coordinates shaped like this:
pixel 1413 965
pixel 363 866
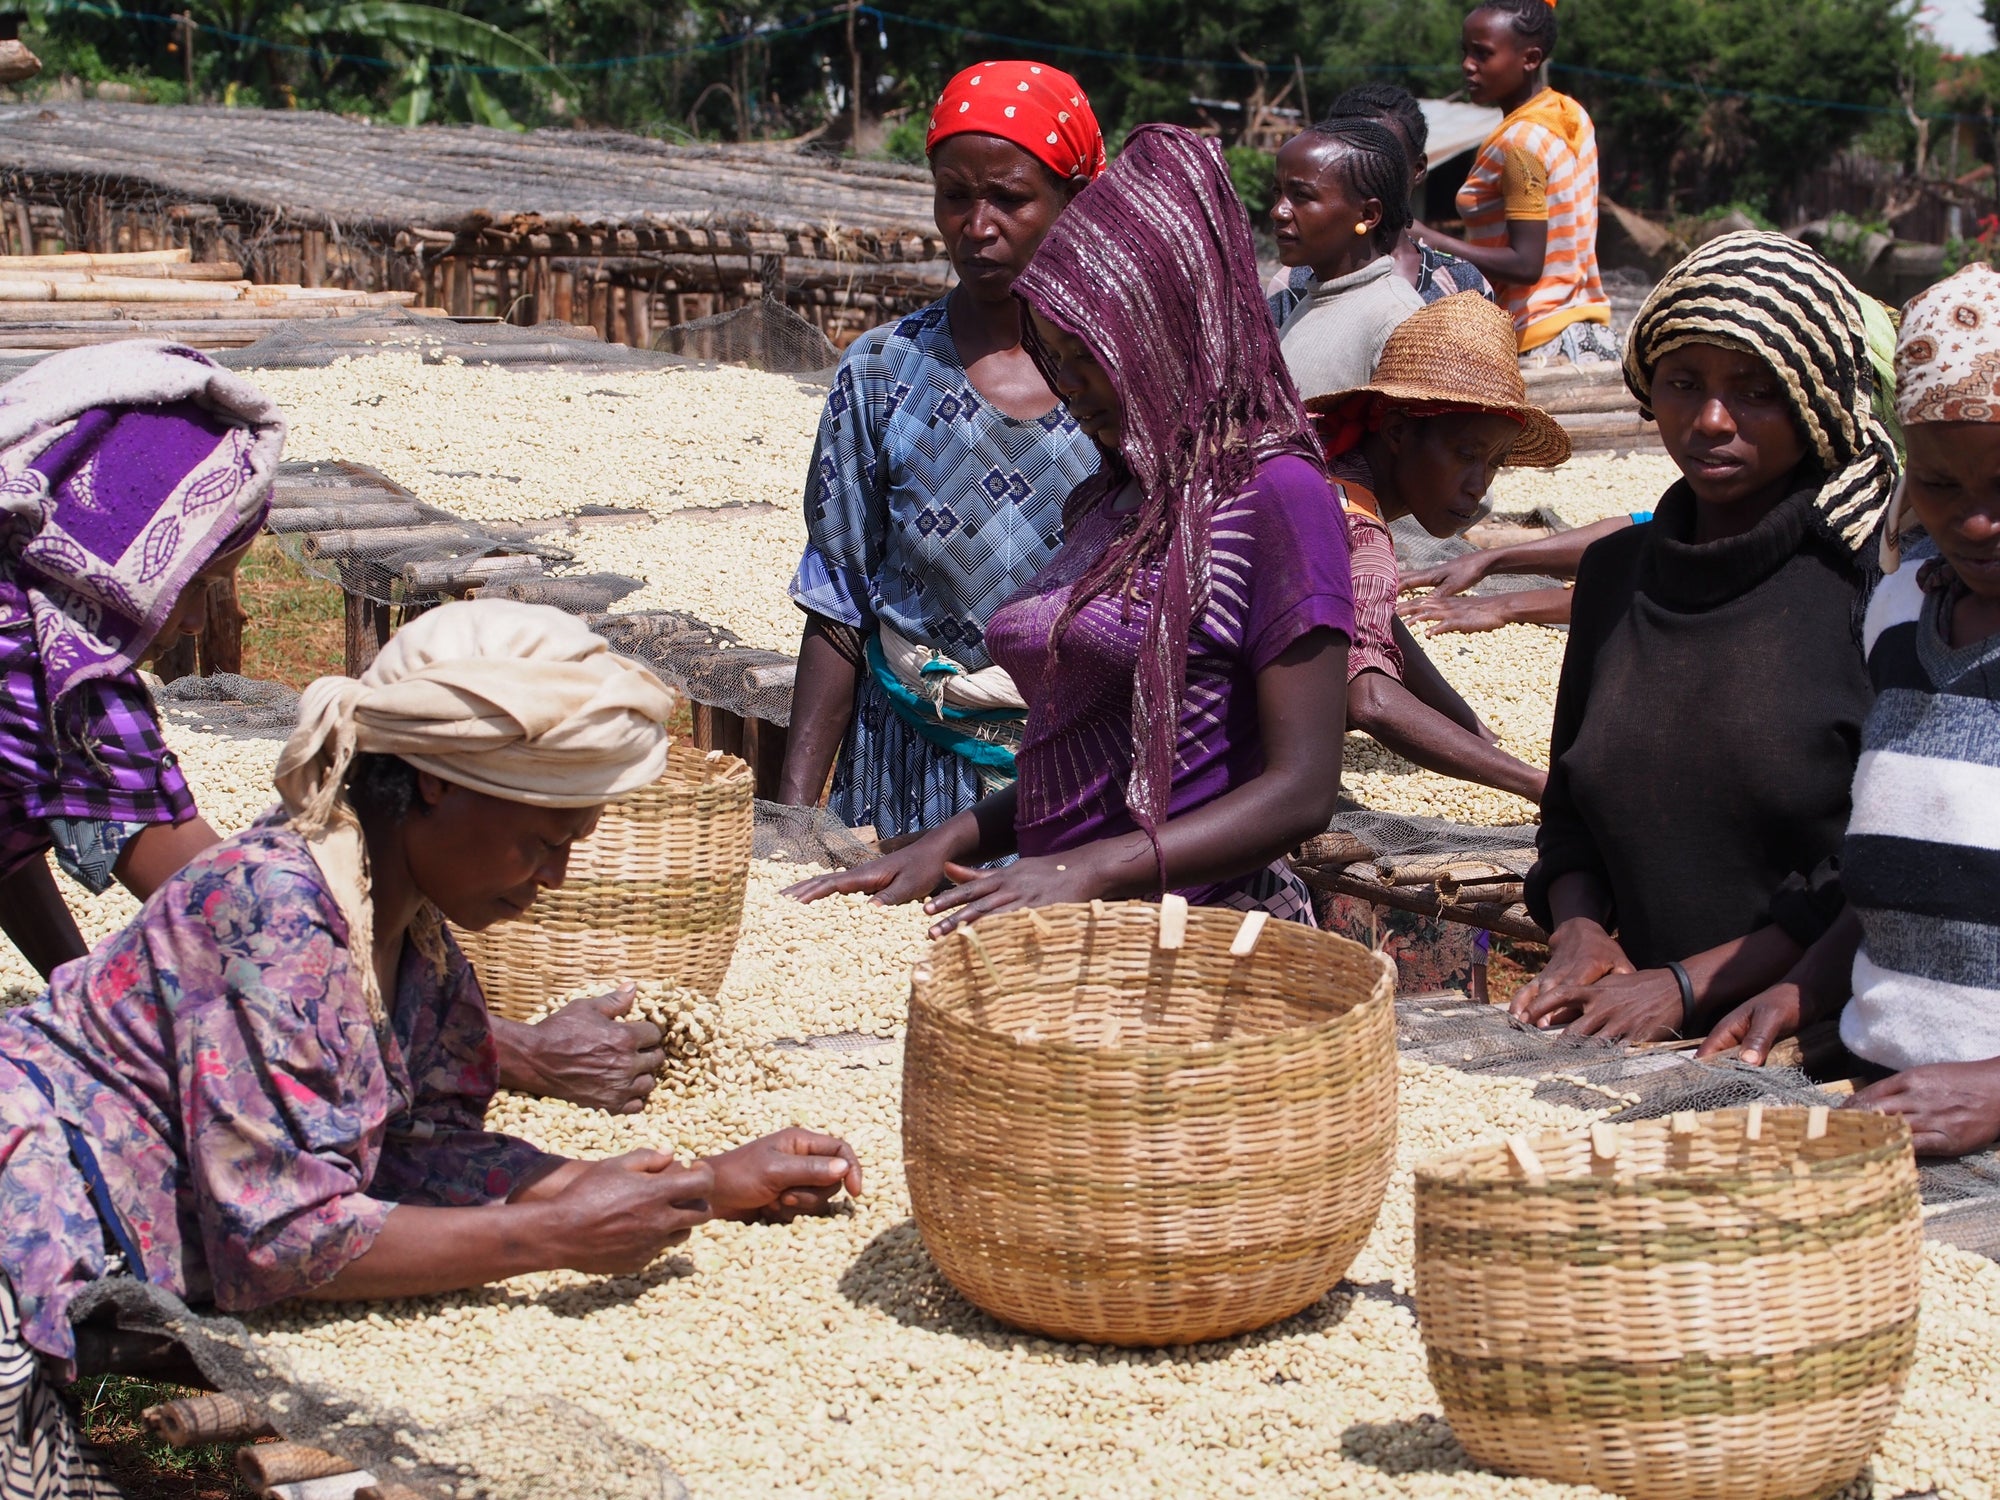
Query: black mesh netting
pixel 1962 1197
pixel 232 706
pixel 707 662
pixel 1399 841
pixel 765 336
pixel 313 343
pixel 1417 549
pixel 806 836
pixel 519 1443
pixel 354 528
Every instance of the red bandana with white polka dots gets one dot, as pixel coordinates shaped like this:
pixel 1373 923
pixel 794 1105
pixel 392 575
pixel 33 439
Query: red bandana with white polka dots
pixel 1040 109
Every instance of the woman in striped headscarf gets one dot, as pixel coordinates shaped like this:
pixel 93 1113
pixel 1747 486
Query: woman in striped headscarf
pixel 1183 657
pixel 1713 690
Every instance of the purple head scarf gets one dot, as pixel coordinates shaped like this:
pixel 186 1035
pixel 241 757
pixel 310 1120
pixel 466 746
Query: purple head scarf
pixel 125 469
pixel 1153 268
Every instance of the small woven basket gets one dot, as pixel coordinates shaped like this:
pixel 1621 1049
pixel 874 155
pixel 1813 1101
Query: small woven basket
pixel 655 895
pixel 1721 1305
pixel 1118 1142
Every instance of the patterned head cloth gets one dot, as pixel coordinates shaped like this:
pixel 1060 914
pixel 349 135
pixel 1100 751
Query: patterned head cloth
pixel 519 702
pixel 1947 366
pixel 1041 109
pixel 1779 300
pixel 1153 269
pixel 125 469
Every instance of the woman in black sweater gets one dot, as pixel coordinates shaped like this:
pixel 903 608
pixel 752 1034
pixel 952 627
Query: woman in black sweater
pixel 1713 692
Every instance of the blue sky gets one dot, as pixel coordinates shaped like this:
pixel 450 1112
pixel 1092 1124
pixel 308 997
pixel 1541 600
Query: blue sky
pixel 1956 24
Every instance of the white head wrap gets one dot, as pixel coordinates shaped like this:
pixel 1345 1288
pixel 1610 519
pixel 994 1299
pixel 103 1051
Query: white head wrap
pixel 1947 367
pixel 518 701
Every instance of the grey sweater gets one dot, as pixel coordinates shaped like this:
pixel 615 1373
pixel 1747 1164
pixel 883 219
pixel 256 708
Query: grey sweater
pixel 1333 338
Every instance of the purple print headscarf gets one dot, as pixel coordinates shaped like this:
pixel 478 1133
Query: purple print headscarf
pixel 125 469
pixel 1153 268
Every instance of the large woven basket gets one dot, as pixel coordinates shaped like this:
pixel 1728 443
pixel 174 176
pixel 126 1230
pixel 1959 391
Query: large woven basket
pixel 1721 1305
pixel 655 895
pixel 1111 1141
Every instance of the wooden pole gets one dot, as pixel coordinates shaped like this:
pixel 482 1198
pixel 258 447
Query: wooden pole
pixel 854 80
pixel 206 1419
pixel 187 52
pixel 222 638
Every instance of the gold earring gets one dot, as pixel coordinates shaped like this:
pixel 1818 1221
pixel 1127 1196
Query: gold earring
pixel 1360 228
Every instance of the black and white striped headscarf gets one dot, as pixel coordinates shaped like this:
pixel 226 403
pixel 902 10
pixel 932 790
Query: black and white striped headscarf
pixel 1781 301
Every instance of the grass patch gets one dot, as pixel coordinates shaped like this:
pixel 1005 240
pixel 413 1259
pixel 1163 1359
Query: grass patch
pixel 143 1467
pixel 298 625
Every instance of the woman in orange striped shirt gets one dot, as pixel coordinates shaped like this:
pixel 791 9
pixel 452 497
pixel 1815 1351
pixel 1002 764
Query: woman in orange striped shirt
pixel 1530 201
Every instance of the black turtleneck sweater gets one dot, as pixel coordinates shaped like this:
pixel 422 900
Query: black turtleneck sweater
pixel 1706 728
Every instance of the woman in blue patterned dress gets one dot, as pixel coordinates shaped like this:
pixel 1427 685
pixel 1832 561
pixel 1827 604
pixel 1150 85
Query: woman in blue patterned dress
pixel 938 481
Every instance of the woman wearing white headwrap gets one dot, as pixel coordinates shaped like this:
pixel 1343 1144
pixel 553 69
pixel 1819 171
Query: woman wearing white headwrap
pixel 272 1082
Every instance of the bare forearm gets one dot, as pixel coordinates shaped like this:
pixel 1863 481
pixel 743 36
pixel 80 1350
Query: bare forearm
pixel 1428 684
pixel 1734 971
pixel 155 855
pixel 1556 555
pixel 36 919
pixel 423 1251
pixel 1539 606
pixel 822 708
pixel 1517 263
pixel 1238 833
pixel 1390 713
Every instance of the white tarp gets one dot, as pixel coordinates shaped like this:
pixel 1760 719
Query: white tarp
pixel 1456 127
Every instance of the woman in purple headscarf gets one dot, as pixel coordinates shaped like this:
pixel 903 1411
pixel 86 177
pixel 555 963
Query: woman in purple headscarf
pixel 132 476
pixel 1183 657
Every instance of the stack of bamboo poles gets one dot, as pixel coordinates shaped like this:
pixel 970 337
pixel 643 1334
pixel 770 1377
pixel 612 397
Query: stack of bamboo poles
pixel 270 1470
pixel 64 301
pixel 1593 406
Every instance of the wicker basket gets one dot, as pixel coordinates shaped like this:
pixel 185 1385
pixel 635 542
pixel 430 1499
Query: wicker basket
pixel 1721 1305
pixel 1112 1141
pixel 655 895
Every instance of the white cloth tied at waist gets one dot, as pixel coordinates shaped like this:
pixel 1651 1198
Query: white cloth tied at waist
pixel 988 690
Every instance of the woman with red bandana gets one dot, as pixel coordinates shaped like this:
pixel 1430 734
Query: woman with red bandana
pixel 938 481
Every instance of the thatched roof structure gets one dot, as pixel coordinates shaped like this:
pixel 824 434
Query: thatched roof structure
pixel 374 181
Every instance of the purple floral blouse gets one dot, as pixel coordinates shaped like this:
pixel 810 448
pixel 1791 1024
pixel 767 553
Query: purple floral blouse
pixel 252 1128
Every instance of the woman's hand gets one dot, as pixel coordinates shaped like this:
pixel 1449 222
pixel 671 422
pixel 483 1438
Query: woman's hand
pixel 1952 1108
pixel 1453 577
pixel 1045 880
pixel 779 1176
pixel 584 1053
pixel 1757 1025
pixel 1630 1007
pixel 1581 952
pixel 615 1216
pixel 909 874
pixel 1448 616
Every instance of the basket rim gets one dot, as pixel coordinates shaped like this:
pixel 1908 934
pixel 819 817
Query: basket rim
pixel 1484 1168
pixel 1383 994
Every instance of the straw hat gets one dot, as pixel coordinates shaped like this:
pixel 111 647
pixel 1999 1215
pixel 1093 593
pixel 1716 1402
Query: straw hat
pixel 1458 352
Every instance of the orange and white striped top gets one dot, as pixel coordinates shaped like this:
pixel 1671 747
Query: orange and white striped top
pixel 1542 164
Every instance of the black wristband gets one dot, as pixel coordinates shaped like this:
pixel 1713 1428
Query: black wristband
pixel 1680 974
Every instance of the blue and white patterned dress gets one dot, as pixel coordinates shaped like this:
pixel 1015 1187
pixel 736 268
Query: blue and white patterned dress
pixel 926 508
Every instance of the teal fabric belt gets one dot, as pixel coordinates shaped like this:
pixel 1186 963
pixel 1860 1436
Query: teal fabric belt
pixel 936 721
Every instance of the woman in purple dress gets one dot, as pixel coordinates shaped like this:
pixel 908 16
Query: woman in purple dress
pixel 272 1082
pixel 1183 657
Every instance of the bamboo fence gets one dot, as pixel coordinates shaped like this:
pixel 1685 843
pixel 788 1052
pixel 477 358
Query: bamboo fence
pixel 622 233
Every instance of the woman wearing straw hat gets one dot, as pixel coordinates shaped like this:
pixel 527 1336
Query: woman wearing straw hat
pixel 1446 408
pixel 271 1083
pixel 937 482
pixel 1713 693
pixel 1184 655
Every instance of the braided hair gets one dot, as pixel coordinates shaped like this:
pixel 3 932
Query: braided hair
pixel 1533 21
pixel 1373 164
pixel 1386 101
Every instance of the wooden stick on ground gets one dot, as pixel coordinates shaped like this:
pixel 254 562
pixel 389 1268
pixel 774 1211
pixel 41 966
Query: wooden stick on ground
pixel 218 1418
pixel 265 1464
